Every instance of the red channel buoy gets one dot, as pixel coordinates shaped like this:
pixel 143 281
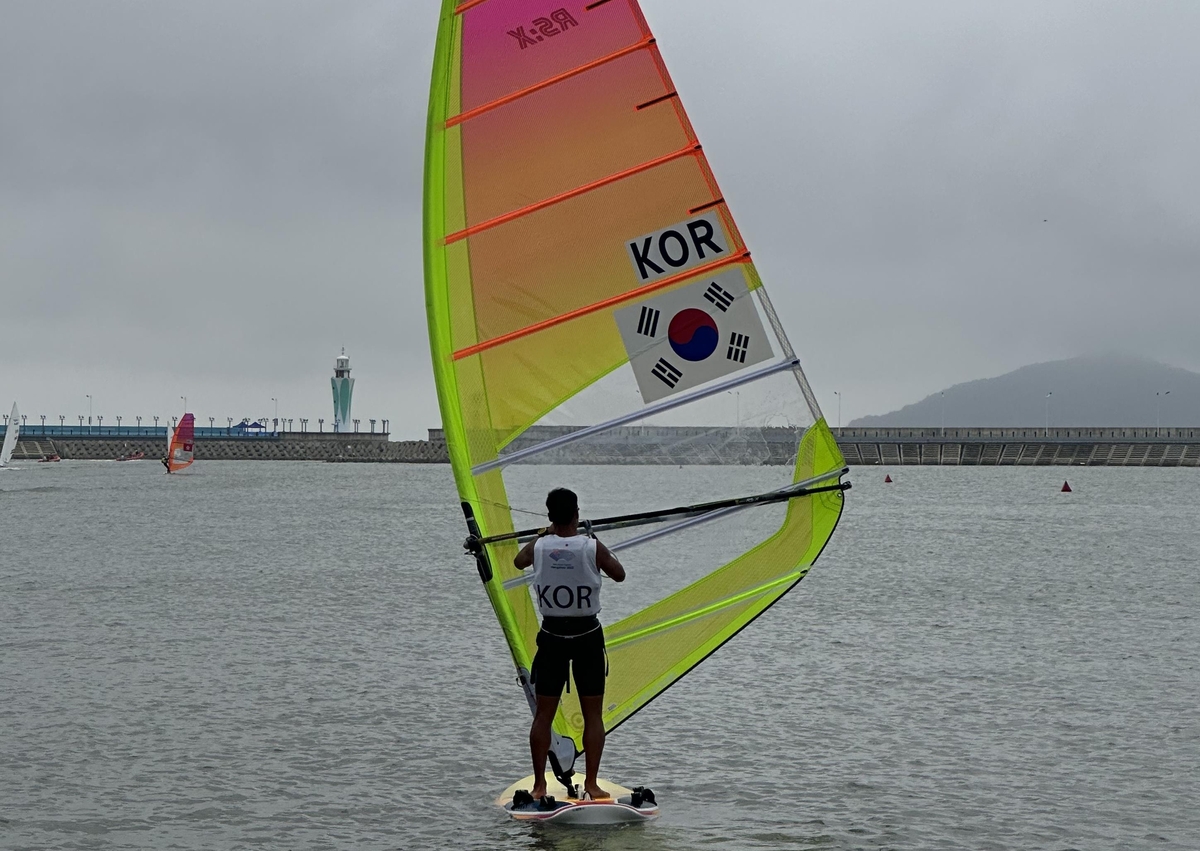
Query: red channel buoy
pixel 888 478
pixel 1066 488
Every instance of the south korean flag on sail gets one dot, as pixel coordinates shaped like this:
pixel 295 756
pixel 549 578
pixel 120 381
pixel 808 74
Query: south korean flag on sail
pixel 692 335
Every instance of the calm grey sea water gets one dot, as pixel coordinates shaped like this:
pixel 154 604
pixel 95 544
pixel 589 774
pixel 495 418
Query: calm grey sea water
pixel 286 655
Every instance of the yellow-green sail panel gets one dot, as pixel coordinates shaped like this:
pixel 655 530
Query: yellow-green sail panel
pixel 583 269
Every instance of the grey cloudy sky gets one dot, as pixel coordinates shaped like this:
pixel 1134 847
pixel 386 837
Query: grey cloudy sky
pixel 209 199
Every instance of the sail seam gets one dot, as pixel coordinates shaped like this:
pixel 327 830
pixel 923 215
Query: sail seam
pixel 650 410
pixel 715 203
pixel 679 620
pixel 469 4
pixel 550 81
pixel 741 257
pixel 653 101
pixel 571 193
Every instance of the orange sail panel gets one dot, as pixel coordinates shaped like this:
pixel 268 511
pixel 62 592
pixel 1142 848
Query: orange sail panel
pixel 571 140
pixel 183 443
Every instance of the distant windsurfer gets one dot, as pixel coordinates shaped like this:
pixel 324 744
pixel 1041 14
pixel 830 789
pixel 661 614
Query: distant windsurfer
pixel 566 580
pixel 166 464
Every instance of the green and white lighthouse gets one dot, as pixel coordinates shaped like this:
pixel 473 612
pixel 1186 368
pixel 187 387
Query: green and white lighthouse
pixel 343 389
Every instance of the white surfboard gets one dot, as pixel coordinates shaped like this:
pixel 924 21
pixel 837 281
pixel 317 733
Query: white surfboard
pixel 619 809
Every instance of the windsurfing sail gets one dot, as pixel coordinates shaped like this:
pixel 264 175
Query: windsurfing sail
pixel 11 433
pixel 180 452
pixel 593 309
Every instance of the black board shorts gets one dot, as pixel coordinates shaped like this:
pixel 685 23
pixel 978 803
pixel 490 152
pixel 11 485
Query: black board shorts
pixel 561 650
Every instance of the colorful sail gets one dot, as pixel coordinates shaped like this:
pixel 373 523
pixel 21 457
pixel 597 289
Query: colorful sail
pixel 11 433
pixel 180 454
pixel 591 300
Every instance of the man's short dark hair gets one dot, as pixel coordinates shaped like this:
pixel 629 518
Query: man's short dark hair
pixel 561 505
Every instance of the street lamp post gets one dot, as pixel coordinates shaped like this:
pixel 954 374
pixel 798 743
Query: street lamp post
pixel 81 422
pixel 321 424
pixel 839 395
pixel 943 413
pixel 356 426
pixel 156 422
pixel 1046 433
pixel 43 423
pixel 139 419
pixel 372 426
pixel 61 418
pixel 1158 397
pixel 118 425
pixel 303 424
pixel 89 398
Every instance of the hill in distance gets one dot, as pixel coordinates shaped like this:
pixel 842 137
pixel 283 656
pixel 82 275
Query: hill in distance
pixel 1103 391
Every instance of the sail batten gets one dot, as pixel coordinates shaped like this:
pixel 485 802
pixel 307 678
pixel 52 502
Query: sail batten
pixel 573 193
pixel 537 87
pixel 632 295
pixel 633 416
pixel 617 638
pixel 584 270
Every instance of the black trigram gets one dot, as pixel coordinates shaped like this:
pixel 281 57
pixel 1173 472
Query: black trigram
pixel 739 344
pixel 648 321
pixel 718 296
pixel 666 373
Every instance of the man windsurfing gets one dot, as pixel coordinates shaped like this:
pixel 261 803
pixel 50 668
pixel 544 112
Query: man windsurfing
pixel 566 581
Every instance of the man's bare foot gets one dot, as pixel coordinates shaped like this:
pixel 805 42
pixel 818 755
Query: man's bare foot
pixel 595 792
pixel 539 791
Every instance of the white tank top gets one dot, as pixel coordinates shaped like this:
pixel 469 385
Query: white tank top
pixel 566 580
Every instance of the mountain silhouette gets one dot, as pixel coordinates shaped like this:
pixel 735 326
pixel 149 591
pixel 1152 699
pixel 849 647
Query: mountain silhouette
pixel 1095 390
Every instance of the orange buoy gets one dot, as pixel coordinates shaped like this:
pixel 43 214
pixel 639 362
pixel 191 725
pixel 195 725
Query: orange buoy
pixel 888 478
pixel 1066 488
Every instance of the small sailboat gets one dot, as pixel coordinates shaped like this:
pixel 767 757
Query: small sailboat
pixel 585 278
pixel 135 455
pixel 181 445
pixel 11 433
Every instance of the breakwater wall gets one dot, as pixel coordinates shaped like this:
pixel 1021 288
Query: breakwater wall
pixel 1111 447
pixel 1022 447
pixel 288 446
pixel 1123 447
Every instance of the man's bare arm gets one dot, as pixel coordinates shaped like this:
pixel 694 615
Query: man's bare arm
pixel 524 558
pixel 607 562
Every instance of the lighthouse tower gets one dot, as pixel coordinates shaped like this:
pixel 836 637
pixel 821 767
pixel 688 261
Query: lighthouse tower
pixel 343 389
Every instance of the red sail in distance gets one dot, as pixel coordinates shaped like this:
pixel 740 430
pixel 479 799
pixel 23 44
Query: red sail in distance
pixel 182 444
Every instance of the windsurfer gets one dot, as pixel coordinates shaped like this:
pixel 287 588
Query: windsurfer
pixel 166 464
pixel 566 579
